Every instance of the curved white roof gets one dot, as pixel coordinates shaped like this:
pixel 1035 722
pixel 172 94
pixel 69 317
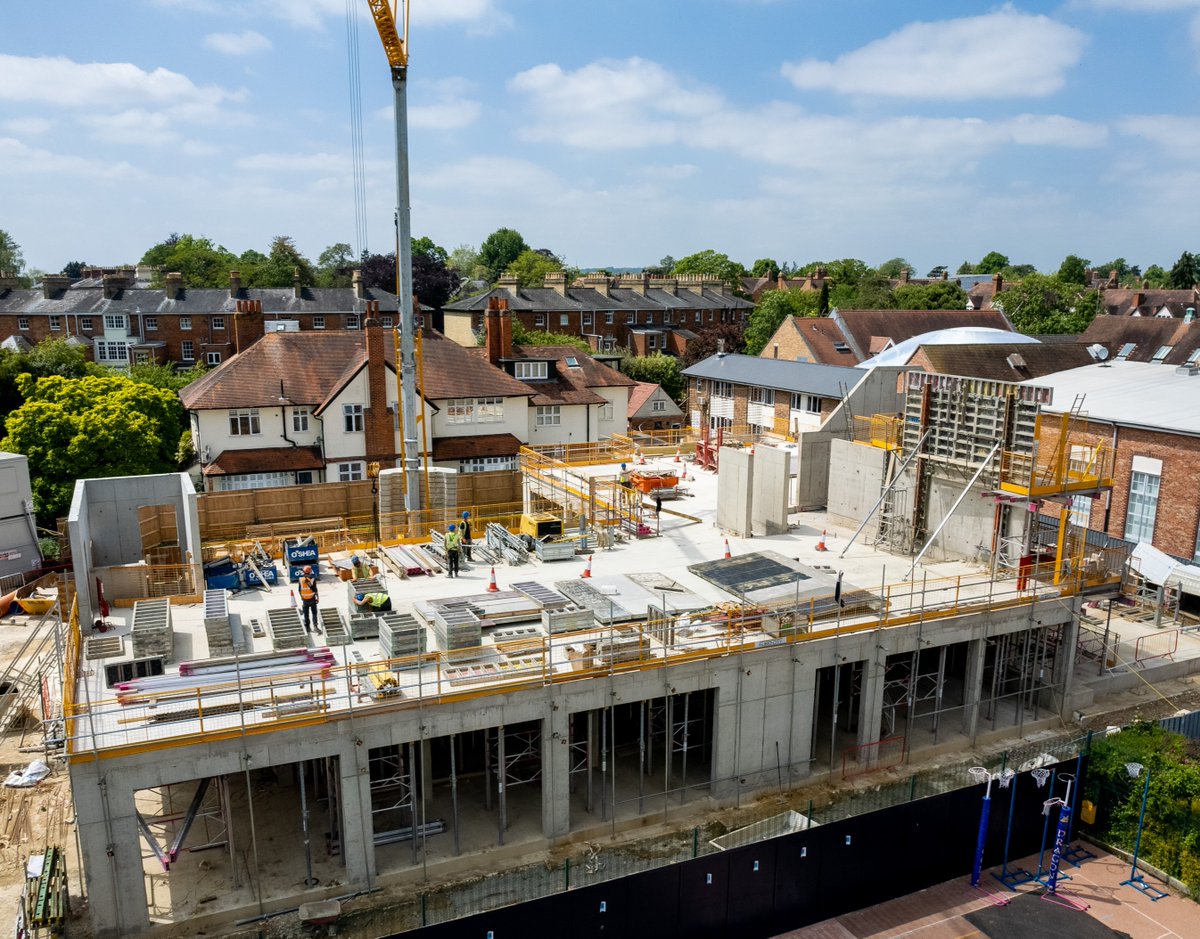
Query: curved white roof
pixel 900 353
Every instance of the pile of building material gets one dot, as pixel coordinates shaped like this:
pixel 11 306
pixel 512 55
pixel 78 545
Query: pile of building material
pixel 478 672
pixel 518 640
pixel 620 646
pixel 333 625
pixel 151 631
pixel 503 543
pixel 244 670
pixel 457 629
pixel 567 620
pixel 546 598
pixel 287 630
pixel 216 622
pixel 410 560
pixel 400 635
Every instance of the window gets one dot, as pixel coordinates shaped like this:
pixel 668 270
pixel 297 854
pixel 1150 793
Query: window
pixel 55 321
pixel 722 389
pixel 587 319
pixel 85 323
pixel 572 361
pixel 609 317
pixel 151 323
pixel 810 404
pixel 351 321
pixel 1143 500
pixel 114 321
pixel 141 358
pixel 300 420
pixel 253 481
pixel 108 353
pixel 185 322
pixel 475 411
pixel 352 418
pixel 710 316
pixel 244 422
pixel 1126 351
pixel 386 322
pixel 217 322
pixel 841 347
pixel 606 411
pixel 212 358
pixel 651 341
pixel 762 395
pixel 697 316
pixel 548 416
pixel 22 322
pixel 318 322
pixel 487 464
pixel 350 472
pixel 304 477
pixel 539 319
pixel 658 405
pixel 187 351
pixel 1158 356
pixel 564 319
pixel 527 371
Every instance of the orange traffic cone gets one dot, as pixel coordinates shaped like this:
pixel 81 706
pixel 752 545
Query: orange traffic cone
pixel 492 588
pixel 821 543
pixel 293 593
pixel 727 554
pixel 641 458
pixel 678 455
pixel 587 571
pixel 684 476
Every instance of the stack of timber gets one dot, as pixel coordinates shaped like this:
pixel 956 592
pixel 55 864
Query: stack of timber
pixel 151 631
pixel 287 629
pixel 400 635
pixel 216 622
pixel 409 561
pixel 246 670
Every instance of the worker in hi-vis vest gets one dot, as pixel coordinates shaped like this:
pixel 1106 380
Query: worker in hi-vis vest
pixel 373 602
pixel 308 599
pixel 453 542
pixel 465 530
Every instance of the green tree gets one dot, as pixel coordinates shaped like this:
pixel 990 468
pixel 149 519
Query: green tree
pixel 708 341
pixel 937 272
pixel 334 265
pixel 281 264
pixel 499 250
pixel 1183 275
pixel 664 268
pixel 1155 277
pixel 1073 270
pixel 713 264
pixel 823 299
pixel 425 247
pixel 965 268
pixel 658 369
pixel 893 268
pixel 531 267
pixel 765 267
pixel 540 337
pixel 775 307
pixel 1042 304
pixel 940 295
pixel 465 260
pixel 49 357
pixel 12 261
pixel 74 269
pixel 991 263
pixel 164 376
pixel 76 428
pixel 201 262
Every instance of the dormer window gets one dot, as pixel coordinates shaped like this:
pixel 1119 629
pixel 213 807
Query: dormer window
pixel 531 371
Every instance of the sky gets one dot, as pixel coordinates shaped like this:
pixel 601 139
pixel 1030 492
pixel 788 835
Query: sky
pixel 612 133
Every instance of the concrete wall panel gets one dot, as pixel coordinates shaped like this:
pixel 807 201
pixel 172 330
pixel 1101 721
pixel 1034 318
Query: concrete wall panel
pixel 856 481
pixel 769 503
pixel 734 492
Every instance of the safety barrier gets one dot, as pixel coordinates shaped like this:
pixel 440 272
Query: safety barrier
pixel 1157 645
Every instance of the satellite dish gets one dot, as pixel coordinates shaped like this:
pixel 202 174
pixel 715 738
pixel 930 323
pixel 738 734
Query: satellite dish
pixel 1097 352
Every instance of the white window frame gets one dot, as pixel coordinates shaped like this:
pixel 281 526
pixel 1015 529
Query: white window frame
pixel 300 420
pixel 151 323
pixel 116 321
pixel 539 319
pixel 318 322
pixel 607 411
pixel 658 405
pixel 55 321
pixel 1141 510
pixel 386 322
pixel 352 321
pixel 564 319
pixel 587 319
pixel 85 323
pixel 351 472
pixel 108 351
pixel 212 358
pixel 217 322
pixel 475 410
pixel 187 350
pixel 353 420
pixel 548 415
pixel 141 357
pixel 759 395
pixel 487 464
pixel 185 322
pixel 806 403
pixel 532 371
pixel 722 389
pixel 609 317
pixel 244 422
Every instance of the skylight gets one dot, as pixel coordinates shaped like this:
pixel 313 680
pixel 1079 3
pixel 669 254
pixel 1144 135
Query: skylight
pixel 572 362
pixel 1161 353
pixel 1126 350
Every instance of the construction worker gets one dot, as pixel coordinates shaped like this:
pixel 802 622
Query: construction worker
pixel 453 543
pixel 623 477
pixel 373 602
pixel 308 599
pixel 465 531
pixel 359 568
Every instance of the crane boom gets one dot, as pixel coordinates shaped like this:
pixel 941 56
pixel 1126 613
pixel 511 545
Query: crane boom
pixel 395 48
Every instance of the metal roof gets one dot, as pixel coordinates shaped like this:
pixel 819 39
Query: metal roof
pixel 1132 394
pixel 828 381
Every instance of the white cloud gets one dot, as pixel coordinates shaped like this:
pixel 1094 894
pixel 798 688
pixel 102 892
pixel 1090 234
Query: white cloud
pixel 1177 137
pixel 1005 54
pixel 244 43
pixel 27 126
pixel 443 104
pixel 668 172
pixel 478 16
pixel 18 159
pixel 326 164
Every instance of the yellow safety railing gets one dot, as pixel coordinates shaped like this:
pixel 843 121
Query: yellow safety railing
pixel 885 431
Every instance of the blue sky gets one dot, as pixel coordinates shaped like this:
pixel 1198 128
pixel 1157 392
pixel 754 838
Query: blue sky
pixel 613 132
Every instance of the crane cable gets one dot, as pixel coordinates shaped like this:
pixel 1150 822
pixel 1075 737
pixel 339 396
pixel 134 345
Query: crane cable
pixel 356 132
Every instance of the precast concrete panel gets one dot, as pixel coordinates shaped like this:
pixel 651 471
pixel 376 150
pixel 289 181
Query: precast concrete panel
pixel 769 501
pixel 18 540
pixel 735 492
pixel 857 479
pixel 969 527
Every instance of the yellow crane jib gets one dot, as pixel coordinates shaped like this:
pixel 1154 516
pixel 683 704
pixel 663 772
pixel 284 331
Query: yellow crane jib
pixel 395 46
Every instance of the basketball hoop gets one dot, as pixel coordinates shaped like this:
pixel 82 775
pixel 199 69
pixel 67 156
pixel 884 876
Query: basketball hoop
pixel 1040 776
pixel 979 773
pixel 1134 769
pixel 1049 804
pixel 1005 778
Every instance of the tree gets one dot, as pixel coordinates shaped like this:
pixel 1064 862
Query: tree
pixel 531 267
pixel 499 250
pixel 991 263
pixel 279 269
pixel 1155 277
pixel 872 292
pixel 1042 304
pixel 707 342
pixel 379 271
pixel 74 269
pixel 823 299
pixel 775 307
pixel 765 267
pixel 1073 269
pixel 1183 275
pixel 433 281
pixel 465 260
pixel 940 295
pixel 49 357
pixel 846 272
pixel 334 265
pixel 893 268
pixel 75 428
pixel 426 247
pixel 202 263
pixel 965 268
pixel 658 369
pixel 712 264
pixel 12 261
pixel 936 272
pixel 664 268
pixel 539 337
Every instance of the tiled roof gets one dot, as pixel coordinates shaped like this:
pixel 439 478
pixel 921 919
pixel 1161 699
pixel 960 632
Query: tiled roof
pixel 466 448
pixel 640 394
pixel 1126 301
pixel 264 460
pixel 992 361
pixel 828 381
pixel 1147 334
pixel 549 300
pixel 825 339
pixel 859 326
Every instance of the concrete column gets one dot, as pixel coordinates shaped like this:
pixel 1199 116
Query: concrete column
pixel 1065 659
pixel 973 685
pixel 426 748
pixel 804 703
pixel 112 858
pixel 358 834
pixel 556 768
pixel 870 709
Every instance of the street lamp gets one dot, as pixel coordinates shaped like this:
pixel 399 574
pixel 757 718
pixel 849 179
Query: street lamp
pixel 1136 880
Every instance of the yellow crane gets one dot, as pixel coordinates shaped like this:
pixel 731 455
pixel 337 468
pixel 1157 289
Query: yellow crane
pixel 395 46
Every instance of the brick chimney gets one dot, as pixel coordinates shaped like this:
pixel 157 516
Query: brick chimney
pixel 1136 299
pixel 297 287
pixel 597 282
pixel 356 282
pixel 53 285
pixel 509 282
pixel 781 282
pixel 557 281
pixel 497 330
pixel 669 284
pixel 997 282
pixel 945 274
pixel 174 284
pixel 905 275
pixel 1114 280
pixel 113 285
pixel 9 281
pixel 378 425
pixel 248 324
pixel 235 284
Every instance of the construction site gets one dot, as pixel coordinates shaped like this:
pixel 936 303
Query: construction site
pixel 604 662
